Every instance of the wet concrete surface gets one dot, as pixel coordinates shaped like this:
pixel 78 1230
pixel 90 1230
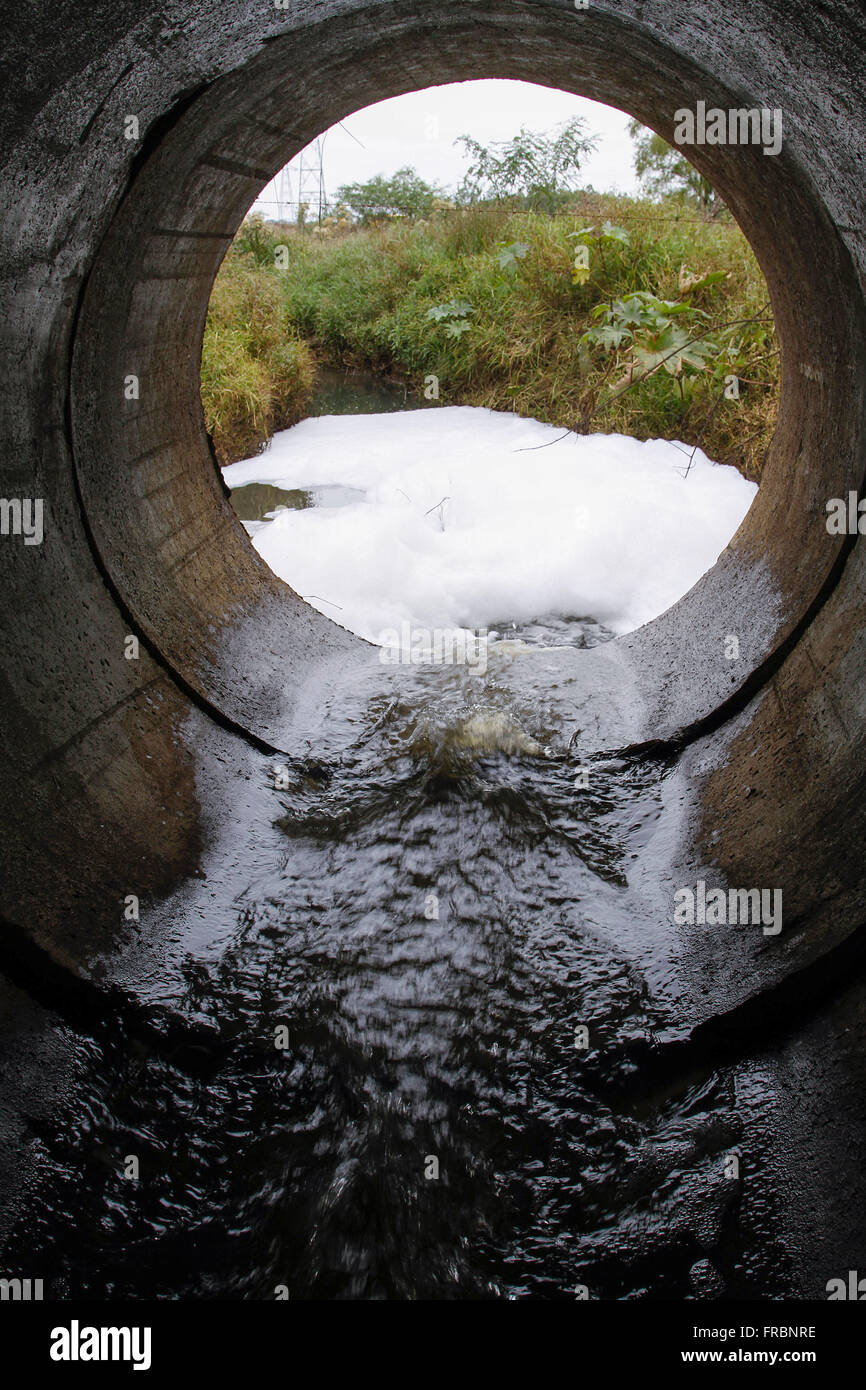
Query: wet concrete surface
pixel 148 774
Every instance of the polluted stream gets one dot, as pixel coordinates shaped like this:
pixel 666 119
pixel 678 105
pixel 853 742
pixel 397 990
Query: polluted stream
pixel 422 951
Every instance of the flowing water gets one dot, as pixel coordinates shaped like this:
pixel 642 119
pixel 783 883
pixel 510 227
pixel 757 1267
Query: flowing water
pixel 425 962
pixel 444 925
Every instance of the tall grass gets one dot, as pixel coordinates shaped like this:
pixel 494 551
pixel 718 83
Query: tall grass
pixel 256 373
pixel 363 299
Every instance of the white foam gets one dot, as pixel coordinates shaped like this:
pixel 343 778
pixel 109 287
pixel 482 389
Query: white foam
pixel 593 525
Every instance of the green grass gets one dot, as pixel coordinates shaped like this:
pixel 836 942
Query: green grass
pixel 362 298
pixel 256 373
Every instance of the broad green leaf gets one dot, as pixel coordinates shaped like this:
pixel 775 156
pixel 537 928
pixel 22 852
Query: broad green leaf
pixel 510 255
pixel 614 233
pixel 455 308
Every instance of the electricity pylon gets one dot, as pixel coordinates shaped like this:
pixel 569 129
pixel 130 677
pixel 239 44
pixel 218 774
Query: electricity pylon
pixel 311 180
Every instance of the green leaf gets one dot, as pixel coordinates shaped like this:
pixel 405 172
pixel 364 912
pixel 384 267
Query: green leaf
pixel 510 255
pixel 607 336
pixel 613 337
pixel 455 308
pixel 613 233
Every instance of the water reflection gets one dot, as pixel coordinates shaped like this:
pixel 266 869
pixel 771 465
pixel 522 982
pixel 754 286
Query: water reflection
pixel 434 924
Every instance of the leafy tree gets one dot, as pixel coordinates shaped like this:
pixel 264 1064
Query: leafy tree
pixel 405 194
pixel 664 171
pixel 538 168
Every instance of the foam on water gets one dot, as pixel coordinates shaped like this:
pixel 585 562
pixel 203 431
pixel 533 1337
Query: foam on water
pixel 471 515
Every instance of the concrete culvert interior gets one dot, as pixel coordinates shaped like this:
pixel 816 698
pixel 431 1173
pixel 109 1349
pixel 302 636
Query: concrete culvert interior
pixel 127 765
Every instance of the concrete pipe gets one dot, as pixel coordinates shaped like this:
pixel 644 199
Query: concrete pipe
pixel 112 233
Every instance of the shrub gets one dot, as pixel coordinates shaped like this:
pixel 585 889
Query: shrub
pixel 385 297
pixel 256 373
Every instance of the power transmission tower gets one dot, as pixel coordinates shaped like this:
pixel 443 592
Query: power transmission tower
pixel 285 200
pixel 311 180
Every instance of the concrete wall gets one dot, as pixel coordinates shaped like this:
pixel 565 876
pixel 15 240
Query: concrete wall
pixel 108 249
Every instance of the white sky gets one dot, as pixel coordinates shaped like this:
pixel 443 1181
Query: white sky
pixel 419 130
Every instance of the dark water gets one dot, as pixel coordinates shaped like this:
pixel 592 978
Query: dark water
pixel 362 393
pixel 434 913
pixel 445 924
pixel 445 927
pixel 255 501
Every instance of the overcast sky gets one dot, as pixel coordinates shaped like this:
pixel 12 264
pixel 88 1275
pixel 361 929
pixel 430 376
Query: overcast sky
pixel 419 129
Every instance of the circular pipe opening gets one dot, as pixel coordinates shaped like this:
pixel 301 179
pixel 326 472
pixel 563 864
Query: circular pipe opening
pixel 166 536
pixel 347 290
